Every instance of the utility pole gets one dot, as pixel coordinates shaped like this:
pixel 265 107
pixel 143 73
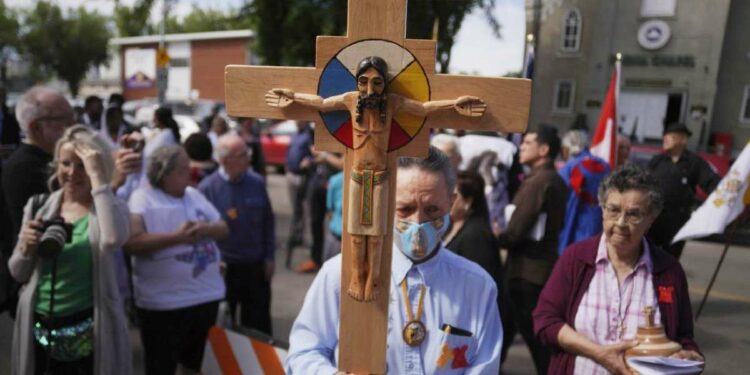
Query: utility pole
pixel 162 58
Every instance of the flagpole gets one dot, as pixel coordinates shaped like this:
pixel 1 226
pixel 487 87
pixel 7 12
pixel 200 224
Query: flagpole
pixel 529 52
pixel 616 130
pixel 729 238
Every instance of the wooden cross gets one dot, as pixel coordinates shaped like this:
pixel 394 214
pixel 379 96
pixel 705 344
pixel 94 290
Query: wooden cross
pixel 375 28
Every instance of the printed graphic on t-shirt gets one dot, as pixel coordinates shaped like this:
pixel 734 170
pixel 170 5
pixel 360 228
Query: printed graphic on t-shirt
pixel 203 254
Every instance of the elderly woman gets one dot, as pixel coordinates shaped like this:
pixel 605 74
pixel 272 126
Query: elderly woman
pixel 69 317
pixel 593 302
pixel 176 275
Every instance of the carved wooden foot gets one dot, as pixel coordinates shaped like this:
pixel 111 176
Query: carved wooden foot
pixel 356 288
pixel 372 289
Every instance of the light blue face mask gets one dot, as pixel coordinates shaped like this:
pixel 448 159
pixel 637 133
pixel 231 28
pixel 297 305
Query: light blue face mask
pixel 417 241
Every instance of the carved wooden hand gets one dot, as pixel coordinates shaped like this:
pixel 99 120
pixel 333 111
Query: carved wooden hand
pixel 280 98
pixel 470 106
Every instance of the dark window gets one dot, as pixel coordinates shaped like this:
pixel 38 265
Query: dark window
pixel 571 36
pixel 564 94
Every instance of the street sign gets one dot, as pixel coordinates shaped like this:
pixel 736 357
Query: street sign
pixel 162 57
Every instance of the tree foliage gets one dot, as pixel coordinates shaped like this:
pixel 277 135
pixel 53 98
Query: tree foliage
pixel 200 20
pixel 8 27
pixel 286 30
pixel 8 35
pixel 133 20
pixel 67 45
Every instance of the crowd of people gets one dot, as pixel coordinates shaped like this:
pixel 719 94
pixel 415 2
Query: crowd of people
pixel 101 224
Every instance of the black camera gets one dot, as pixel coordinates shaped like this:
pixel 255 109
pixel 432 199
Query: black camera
pixel 55 234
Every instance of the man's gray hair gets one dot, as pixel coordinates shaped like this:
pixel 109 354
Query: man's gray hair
pixel 221 149
pixel 161 163
pixel 575 141
pixel 436 162
pixel 29 107
pixel 632 177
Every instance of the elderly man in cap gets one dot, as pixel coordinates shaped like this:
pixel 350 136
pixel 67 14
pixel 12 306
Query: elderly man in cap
pixel 678 171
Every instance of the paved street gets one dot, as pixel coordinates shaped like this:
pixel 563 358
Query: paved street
pixel 723 330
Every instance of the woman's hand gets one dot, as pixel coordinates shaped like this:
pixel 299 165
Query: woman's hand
pixel 612 357
pixel 187 233
pixel 688 354
pixel 29 237
pixel 93 163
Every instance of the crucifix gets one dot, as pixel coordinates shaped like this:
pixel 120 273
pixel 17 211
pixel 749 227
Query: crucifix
pixel 373 95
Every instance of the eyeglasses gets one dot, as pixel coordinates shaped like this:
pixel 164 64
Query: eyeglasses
pixel 630 216
pixel 243 155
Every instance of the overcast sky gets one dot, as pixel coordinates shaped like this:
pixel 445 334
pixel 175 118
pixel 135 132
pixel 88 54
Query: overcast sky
pixel 476 50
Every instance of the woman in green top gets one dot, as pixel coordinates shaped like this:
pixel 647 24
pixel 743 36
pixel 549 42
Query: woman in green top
pixel 70 318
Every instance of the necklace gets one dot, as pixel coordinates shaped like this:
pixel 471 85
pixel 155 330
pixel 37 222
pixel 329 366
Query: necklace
pixel 414 331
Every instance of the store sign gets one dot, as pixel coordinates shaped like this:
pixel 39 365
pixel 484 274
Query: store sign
pixel 654 34
pixel 672 61
pixel 140 68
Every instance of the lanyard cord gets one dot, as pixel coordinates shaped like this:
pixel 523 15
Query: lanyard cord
pixel 409 311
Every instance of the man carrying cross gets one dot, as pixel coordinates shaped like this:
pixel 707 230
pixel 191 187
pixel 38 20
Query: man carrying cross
pixel 372 110
pixel 443 317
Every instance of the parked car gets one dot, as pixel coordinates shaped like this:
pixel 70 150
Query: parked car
pixel 274 139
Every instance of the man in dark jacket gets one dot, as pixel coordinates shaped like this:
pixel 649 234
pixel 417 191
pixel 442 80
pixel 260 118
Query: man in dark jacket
pixel 678 171
pixel 43 114
pixel 539 207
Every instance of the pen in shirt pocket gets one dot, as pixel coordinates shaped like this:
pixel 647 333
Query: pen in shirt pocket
pixel 451 330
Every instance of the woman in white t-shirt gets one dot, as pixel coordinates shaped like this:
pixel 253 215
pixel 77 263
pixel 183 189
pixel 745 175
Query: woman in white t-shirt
pixel 175 263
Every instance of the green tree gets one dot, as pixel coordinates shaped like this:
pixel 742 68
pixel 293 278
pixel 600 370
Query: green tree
pixel 286 30
pixel 133 20
pixel 8 36
pixel 65 45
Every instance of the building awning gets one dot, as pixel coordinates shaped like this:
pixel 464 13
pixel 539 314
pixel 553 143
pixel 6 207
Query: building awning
pixel 185 37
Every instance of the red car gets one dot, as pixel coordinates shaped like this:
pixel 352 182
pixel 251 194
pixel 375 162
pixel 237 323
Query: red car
pixel 275 140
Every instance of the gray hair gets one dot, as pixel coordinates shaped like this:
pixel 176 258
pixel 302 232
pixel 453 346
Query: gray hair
pixel 80 135
pixel 161 163
pixel 575 141
pixel 221 149
pixel 632 177
pixel 436 162
pixel 30 108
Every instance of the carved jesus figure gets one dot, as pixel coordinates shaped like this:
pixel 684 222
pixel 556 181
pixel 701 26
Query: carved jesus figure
pixel 372 109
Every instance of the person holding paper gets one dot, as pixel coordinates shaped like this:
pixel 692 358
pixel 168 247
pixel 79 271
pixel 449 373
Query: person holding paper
pixel 591 307
pixel 541 196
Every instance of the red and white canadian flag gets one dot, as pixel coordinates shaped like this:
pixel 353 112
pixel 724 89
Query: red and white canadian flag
pixel 604 143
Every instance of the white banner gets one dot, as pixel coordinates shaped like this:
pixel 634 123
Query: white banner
pixel 723 205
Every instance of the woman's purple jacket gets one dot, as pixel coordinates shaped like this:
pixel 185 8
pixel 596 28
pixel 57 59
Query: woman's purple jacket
pixel 561 296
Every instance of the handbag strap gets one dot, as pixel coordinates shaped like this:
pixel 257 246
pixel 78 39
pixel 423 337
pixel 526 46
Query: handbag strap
pixel 37 201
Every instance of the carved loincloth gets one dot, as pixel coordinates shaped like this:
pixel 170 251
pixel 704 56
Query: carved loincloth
pixel 368 200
